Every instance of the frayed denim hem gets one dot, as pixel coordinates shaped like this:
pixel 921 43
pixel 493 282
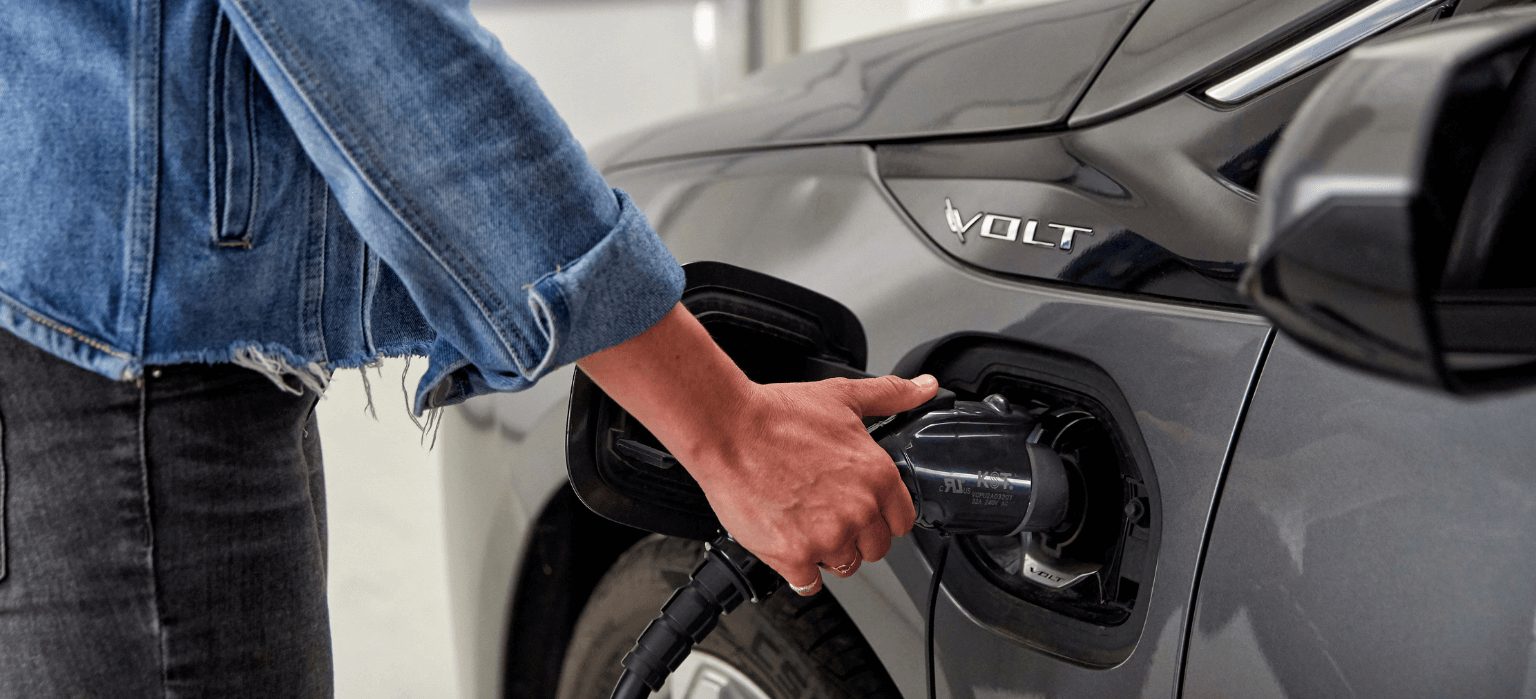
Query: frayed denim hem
pixel 289 370
pixel 294 374
pixel 286 369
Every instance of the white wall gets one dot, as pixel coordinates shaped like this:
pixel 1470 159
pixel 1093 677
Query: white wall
pixel 828 22
pixel 608 67
pixel 388 572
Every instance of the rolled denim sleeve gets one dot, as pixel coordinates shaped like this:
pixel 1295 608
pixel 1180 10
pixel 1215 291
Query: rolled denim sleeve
pixel 456 170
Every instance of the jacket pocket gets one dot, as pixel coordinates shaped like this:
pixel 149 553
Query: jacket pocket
pixel 232 174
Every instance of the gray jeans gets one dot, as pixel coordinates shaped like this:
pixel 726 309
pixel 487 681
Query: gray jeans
pixel 165 538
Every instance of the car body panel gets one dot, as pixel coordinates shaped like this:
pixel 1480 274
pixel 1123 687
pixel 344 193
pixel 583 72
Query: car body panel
pixel 1156 189
pixel 1179 44
pixel 1023 67
pixel 820 219
pixel 1176 43
pixel 1371 540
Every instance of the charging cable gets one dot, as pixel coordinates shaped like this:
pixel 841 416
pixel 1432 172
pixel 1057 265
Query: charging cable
pixel 728 576
pixel 933 605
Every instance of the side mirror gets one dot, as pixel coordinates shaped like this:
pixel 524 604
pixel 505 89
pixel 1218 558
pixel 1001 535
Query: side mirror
pixel 1398 214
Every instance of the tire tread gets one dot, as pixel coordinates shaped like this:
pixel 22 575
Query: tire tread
pixel 816 626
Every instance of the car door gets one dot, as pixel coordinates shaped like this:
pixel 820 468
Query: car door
pixel 1370 541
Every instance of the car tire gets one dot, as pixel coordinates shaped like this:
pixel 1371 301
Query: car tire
pixel 786 648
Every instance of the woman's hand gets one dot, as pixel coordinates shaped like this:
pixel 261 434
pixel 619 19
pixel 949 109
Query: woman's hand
pixel 788 468
pixel 794 476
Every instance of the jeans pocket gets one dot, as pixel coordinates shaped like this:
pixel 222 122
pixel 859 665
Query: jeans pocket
pixel 232 175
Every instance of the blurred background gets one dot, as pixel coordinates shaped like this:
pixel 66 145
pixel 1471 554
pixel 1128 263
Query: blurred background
pixel 403 529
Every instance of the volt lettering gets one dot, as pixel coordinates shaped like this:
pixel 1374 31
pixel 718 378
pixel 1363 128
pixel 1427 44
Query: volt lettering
pixel 1010 228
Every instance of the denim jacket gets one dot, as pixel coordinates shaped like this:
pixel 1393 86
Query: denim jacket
pixel 303 185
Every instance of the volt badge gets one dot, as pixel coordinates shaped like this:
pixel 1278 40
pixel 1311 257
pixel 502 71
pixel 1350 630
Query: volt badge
pixel 1011 228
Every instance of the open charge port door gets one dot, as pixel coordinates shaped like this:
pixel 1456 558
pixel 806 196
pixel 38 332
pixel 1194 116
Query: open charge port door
pixel 1079 591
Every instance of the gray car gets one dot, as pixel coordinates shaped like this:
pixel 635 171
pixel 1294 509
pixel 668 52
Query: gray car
pixel 1055 202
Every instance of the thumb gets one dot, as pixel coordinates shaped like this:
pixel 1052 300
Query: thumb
pixel 888 395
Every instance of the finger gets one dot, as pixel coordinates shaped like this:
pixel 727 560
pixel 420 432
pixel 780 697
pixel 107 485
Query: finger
pixel 899 512
pixel 874 542
pixel 888 395
pixel 804 580
pixel 843 563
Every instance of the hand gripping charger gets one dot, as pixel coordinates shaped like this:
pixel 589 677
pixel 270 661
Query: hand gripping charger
pixel 970 468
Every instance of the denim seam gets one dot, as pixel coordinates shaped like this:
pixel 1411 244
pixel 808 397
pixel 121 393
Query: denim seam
pixel 313 320
pixel 143 216
pixel 370 285
pixel 63 329
pixel 225 227
pixel 309 470
pixel 215 221
pixel 4 491
pixel 325 247
pixel 253 142
pixel 158 622
pixel 224 178
pixel 379 182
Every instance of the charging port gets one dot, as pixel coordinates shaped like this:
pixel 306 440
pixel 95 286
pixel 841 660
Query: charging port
pixel 1080 568
pixel 1079 590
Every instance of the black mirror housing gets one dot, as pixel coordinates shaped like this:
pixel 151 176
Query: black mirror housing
pixel 1397 202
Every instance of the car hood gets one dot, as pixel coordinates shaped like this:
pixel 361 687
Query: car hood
pixel 1020 67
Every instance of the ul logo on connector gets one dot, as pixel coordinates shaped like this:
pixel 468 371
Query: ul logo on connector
pixel 952 485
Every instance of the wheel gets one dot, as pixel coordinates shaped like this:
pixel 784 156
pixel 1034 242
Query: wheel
pixel 788 647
